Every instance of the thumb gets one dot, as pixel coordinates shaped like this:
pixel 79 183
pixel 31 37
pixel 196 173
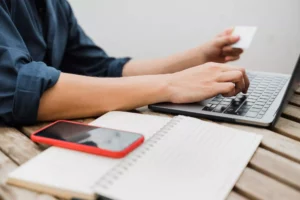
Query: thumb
pixel 228 31
pixel 227 40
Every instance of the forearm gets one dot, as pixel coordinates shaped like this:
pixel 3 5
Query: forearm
pixel 170 64
pixel 77 96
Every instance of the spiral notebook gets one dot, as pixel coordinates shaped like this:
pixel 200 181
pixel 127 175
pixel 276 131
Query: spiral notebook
pixel 185 159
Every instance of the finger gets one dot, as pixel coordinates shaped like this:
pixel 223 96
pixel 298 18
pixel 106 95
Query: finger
pixel 227 40
pixel 227 31
pixel 236 77
pixel 231 58
pixel 225 88
pixel 230 94
pixel 229 49
pixel 234 52
pixel 230 76
pixel 225 67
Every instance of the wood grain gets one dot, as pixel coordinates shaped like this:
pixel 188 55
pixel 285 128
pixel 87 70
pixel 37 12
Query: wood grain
pixel 17 146
pixel 235 196
pixel 288 128
pixel 277 167
pixel 295 100
pixel 256 185
pixel 8 192
pixel 275 142
pixel 298 90
pixel 292 112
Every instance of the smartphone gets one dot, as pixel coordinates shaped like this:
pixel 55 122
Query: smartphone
pixel 90 139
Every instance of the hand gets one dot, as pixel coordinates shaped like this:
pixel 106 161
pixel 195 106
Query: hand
pixel 205 81
pixel 219 49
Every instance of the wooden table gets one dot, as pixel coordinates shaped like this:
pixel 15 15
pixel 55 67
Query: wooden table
pixel 273 172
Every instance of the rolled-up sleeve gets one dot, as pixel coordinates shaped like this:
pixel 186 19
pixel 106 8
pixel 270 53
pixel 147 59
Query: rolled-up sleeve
pixel 84 57
pixel 22 81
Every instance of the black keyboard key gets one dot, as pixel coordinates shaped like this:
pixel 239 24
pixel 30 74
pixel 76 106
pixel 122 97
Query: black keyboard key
pixel 230 110
pixel 219 109
pixel 237 102
pixel 206 108
pixel 240 112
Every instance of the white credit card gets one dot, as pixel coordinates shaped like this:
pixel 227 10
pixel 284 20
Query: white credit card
pixel 246 34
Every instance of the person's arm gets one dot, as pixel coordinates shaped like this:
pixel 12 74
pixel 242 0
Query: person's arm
pixel 76 96
pixel 83 57
pixel 216 50
pixel 22 80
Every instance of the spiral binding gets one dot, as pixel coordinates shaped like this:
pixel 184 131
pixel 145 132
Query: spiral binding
pixel 116 172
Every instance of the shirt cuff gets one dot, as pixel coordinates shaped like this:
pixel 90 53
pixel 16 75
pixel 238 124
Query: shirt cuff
pixel 33 80
pixel 115 68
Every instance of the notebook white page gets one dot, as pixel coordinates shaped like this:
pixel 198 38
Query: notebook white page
pixel 76 172
pixel 193 160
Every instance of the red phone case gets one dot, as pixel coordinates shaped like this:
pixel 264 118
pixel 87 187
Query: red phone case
pixel 85 148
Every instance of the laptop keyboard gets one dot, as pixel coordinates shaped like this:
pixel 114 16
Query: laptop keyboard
pixel 262 92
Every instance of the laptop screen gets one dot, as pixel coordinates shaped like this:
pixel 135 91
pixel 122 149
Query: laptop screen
pixel 293 85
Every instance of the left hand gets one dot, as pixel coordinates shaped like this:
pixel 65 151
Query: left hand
pixel 219 49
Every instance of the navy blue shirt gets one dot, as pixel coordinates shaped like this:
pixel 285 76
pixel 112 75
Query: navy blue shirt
pixel 37 41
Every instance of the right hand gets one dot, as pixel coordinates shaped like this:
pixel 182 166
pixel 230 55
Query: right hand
pixel 205 81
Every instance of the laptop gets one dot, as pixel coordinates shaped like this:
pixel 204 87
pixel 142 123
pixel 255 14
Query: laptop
pixel 267 96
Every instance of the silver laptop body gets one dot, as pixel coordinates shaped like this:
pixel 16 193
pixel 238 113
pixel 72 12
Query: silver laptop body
pixel 267 96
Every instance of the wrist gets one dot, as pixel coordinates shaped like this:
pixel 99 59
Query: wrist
pixel 197 56
pixel 165 84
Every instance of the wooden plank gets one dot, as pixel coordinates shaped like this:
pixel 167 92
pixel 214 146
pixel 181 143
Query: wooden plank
pixel 288 128
pixel 17 146
pixel 235 196
pixel 292 112
pixel 275 142
pixel 277 167
pixel 259 186
pixel 28 130
pixel 11 192
pixel 295 100
pixel 298 90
